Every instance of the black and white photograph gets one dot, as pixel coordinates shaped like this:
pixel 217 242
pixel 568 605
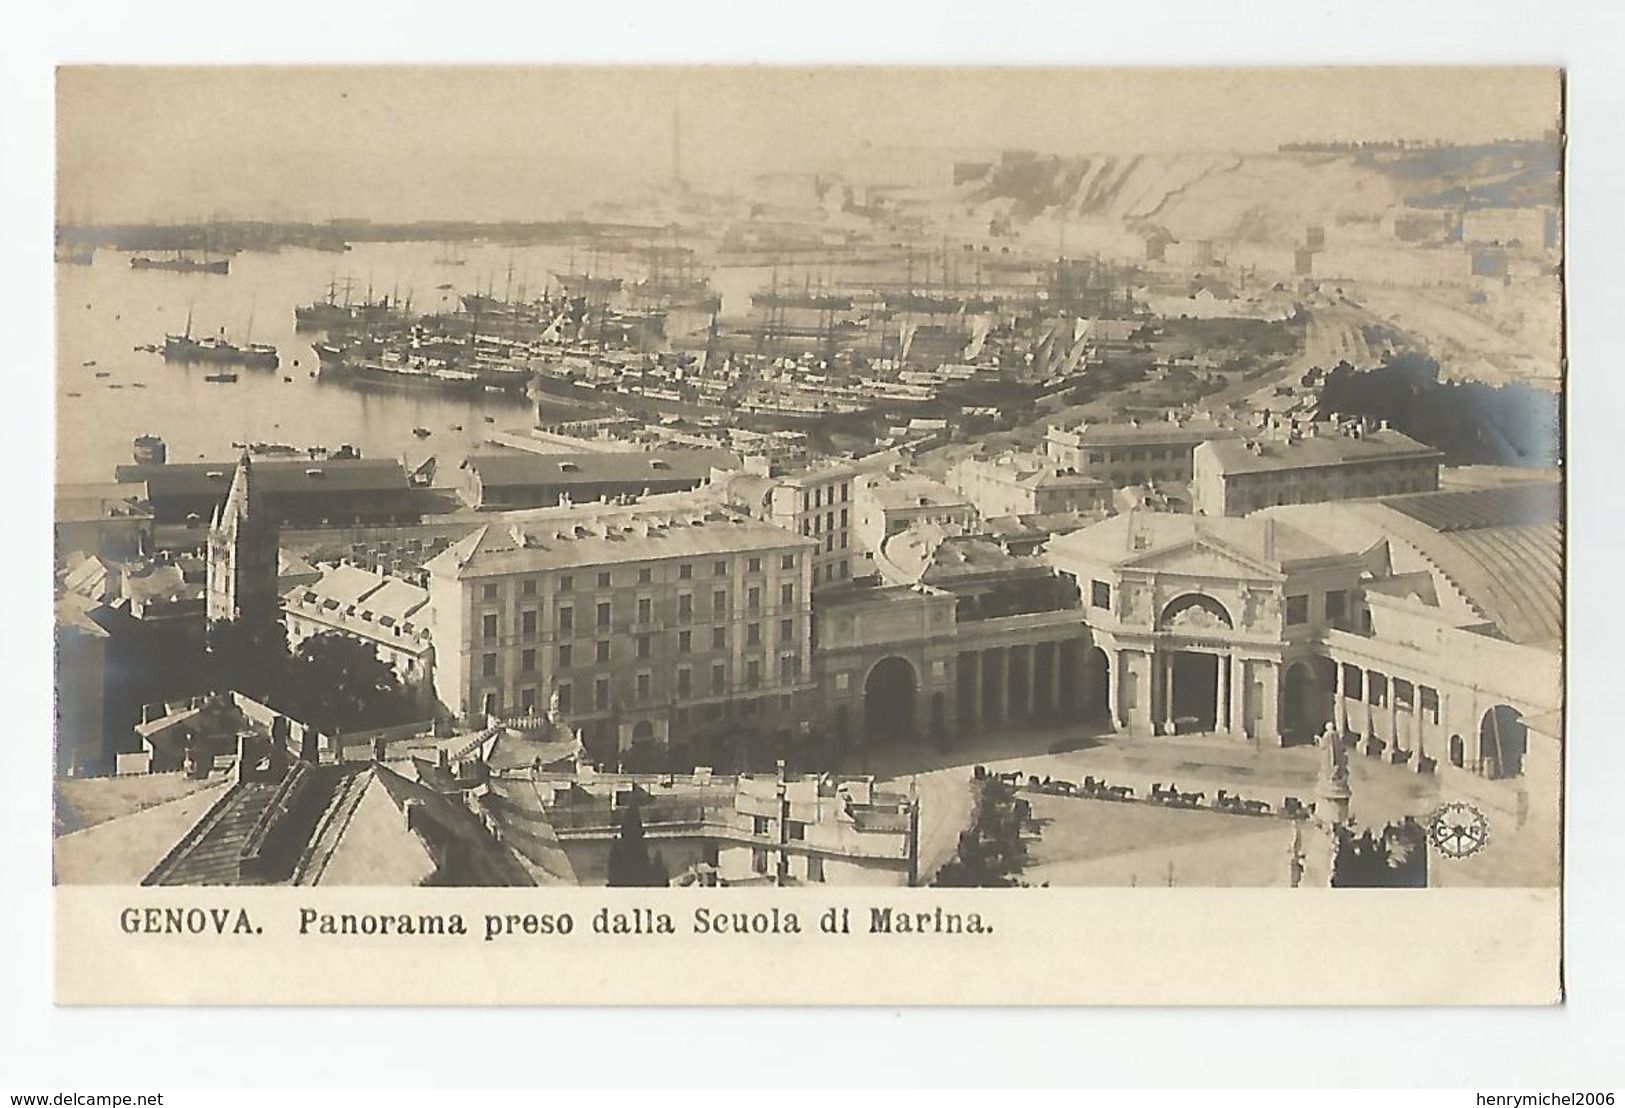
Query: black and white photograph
pixel 570 476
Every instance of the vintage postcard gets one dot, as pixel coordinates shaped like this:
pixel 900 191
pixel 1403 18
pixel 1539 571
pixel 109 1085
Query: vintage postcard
pixel 537 534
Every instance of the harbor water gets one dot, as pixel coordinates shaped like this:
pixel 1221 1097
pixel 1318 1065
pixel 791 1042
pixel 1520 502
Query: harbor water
pixel 107 309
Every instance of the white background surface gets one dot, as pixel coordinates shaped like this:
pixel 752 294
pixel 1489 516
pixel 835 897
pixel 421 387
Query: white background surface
pixel 42 1048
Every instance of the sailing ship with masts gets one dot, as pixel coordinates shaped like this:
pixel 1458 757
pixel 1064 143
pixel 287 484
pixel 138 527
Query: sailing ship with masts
pixel 218 350
pixel 336 314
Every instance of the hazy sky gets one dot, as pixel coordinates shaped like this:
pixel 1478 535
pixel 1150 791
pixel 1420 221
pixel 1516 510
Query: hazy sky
pixel 426 142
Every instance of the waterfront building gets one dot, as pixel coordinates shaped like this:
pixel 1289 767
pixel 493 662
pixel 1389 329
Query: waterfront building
pixel 650 626
pixel 1344 460
pixel 514 479
pixel 1134 453
pixel 386 613
pixel 1018 484
pixel 331 492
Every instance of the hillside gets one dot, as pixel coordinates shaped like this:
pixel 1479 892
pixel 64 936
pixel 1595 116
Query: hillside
pixel 1265 198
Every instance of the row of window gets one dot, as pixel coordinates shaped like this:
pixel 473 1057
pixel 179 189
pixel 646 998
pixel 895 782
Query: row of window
pixel 1334 606
pixel 818 525
pixel 789 669
pixel 1140 454
pixel 759 864
pixel 644 645
pixel 837 571
pixel 566 582
pixel 490 622
pixel 825 495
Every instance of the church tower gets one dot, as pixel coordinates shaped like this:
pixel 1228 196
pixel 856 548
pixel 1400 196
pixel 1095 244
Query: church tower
pixel 242 572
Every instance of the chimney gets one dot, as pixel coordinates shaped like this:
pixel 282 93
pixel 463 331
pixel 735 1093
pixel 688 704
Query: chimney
pixel 412 809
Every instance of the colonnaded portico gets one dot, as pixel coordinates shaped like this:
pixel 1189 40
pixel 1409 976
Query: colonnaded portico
pixel 896 665
pixel 1024 674
pixel 1200 620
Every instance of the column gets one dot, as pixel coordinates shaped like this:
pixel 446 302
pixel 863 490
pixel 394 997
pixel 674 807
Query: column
pixel 1340 712
pixel 1370 705
pixel 1114 681
pixel 1238 697
pixel 1057 648
pixel 1393 716
pixel 1141 665
pixel 1270 729
pixel 1167 692
pixel 1003 655
pixel 1030 707
pixel 1220 684
pixel 976 690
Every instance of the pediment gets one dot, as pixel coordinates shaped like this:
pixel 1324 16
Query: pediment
pixel 1204 557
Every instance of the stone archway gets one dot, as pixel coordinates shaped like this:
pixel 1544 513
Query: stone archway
pixel 1502 739
pixel 1194 611
pixel 1307 691
pixel 889 694
pixel 1097 676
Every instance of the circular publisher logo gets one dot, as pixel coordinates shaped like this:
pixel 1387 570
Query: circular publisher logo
pixel 1458 830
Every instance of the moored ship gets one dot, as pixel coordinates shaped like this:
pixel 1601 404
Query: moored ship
pixel 215 350
pixel 335 314
pixel 182 263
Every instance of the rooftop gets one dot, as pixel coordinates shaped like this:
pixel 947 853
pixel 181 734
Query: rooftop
pixel 596 467
pixel 581 539
pixel 359 597
pixel 1198 429
pixel 937 556
pixel 1501 547
pixel 1033 471
pixel 1323 448
pixel 91 501
pixel 274 478
pixel 1134 535
pixel 913 491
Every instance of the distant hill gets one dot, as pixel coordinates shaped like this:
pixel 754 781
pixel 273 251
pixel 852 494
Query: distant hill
pixel 1267 198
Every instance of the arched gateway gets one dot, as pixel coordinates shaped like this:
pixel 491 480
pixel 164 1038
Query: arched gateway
pixel 889 695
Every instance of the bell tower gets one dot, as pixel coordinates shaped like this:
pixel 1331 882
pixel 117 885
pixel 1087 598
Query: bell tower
pixel 242 569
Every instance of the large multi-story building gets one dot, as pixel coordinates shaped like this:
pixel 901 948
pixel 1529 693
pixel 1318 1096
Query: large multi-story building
pixel 649 626
pixel 1133 453
pixel 1017 484
pixel 1323 461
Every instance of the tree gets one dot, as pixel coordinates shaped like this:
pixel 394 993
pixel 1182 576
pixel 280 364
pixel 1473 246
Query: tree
pixel 629 861
pixel 337 683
